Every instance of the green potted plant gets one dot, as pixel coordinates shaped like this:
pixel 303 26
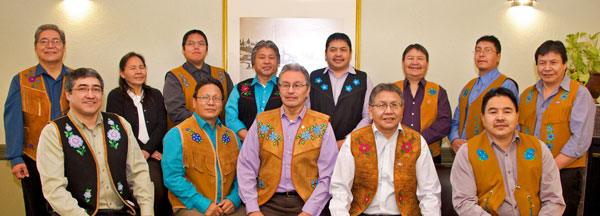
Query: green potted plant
pixel 584 60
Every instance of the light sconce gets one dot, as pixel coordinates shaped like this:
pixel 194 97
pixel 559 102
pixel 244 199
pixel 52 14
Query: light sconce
pixel 521 3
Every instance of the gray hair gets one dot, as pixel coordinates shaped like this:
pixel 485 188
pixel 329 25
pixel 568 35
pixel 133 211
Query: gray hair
pixel 267 44
pixel 81 73
pixel 296 67
pixel 385 87
pixel 45 27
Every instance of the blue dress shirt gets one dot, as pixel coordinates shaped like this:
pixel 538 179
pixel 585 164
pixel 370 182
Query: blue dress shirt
pixel 261 94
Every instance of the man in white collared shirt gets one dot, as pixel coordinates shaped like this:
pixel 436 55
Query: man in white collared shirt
pixel 392 172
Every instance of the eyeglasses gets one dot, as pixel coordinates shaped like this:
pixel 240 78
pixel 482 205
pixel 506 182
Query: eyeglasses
pixel 46 42
pixel 287 86
pixel 194 43
pixel 383 106
pixel 95 90
pixel 206 99
pixel 486 50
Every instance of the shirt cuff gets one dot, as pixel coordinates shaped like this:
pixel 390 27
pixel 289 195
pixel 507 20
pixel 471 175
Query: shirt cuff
pixel 252 206
pixel 146 210
pixel 235 199
pixel 15 161
pixel 236 126
pixel 202 205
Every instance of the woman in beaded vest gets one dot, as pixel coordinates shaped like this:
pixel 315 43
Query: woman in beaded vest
pixel 143 107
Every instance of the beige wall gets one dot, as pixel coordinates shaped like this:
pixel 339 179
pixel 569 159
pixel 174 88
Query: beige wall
pixel 448 29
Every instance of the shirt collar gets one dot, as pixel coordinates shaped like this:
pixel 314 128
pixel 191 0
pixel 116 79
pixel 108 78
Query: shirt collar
pixel 273 81
pixel 79 123
pixel 375 130
pixel 191 68
pixel 422 82
pixel 39 70
pixel 489 77
pixel 203 124
pixel 565 84
pixel 516 139
pixel 350 69
pixel 301 116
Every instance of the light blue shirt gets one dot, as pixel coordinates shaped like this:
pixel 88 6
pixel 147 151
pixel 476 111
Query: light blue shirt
pixel 261 94
pixel 483 82
pixel 174 172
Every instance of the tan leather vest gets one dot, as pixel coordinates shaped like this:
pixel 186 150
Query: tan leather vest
pixel 474 124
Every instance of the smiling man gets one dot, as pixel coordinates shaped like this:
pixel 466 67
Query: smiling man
pixel 557 110
pixel 181 81
pixel 385 168
pixel 287 158
pixel 426 109
pixel 89 161
pixel 341 91
pixel 467 119
pixel 502 171
pixel 35 97
pixel 255 95
pixel 199 158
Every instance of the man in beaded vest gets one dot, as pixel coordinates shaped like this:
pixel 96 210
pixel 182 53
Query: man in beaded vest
pixel 426 106
pixel 559 111
pixel 287 158
pixel 180 82
pixel 385 168
pixel 255 95
pixel 502 171
pixel 89 161
pixel 35 97
pixel 340 90
pixel 199 158
pixel 467 119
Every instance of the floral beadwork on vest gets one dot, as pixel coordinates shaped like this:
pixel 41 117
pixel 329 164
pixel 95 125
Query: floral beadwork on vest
pixel 87 195
pixel 312 132
pixel 33 80
pixel 482 155
pixel 407 146
pixel 246 89
pixel 486 200
pixel 348 88
pixel 186 82
pixel 355 82
pixel 364 147
pixel 432 91
pixel 195 136
pixel 113 134
pixel 529 97
pixel 266 130
pixel 226 138
pixel 74 141
pixel 120 187
pixel 529 154
pixel 549 137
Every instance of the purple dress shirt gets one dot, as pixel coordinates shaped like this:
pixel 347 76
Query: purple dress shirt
pixel 582 126
pixel 412 113
pixel 249 163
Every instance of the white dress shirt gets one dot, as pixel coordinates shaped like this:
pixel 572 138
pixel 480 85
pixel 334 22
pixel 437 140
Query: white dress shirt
pixel 384 202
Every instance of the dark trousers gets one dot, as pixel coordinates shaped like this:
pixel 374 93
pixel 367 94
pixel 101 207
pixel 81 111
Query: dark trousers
pixel 437 159
pixel 35 203
pixel 571 180
pixel 281 204
pixel 162 206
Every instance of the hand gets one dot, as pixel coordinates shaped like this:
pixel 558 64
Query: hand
pixel 242 134
pixel 20 171
pixel 146 154
pixel 227 206
pixel 213 209
pixel 339 143
pixel 156 155
pixel 256 213
pixel 457 143
pixel 303 214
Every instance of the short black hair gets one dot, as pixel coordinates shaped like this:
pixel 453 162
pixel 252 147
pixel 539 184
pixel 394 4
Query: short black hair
pixel 193 31
pixel 551 46
pixel 81 73
pixel 499 92
pixel 491 39
pixel 418 47
pixel 338 36
pixel 206 81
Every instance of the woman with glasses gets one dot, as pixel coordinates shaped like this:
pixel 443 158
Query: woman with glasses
pixel 143 107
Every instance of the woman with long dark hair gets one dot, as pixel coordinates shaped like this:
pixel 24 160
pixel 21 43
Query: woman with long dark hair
pixel 143 107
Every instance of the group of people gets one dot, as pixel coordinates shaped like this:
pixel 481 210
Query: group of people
pixel 291 142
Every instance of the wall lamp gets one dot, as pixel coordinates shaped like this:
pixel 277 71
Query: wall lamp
pixel 521 3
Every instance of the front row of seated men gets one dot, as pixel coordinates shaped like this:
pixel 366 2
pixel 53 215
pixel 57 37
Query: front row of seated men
pixel 289 163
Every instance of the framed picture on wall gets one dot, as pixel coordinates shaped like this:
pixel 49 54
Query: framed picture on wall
pixel 299 28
